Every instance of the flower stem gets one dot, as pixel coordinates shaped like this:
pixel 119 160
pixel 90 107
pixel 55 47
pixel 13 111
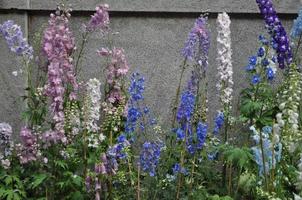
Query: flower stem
pixel 138 195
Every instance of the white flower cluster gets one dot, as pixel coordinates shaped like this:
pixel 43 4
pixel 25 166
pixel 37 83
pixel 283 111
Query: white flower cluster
pixel 92 112
pixel 287 120
pixel 6 144
pixel 224 59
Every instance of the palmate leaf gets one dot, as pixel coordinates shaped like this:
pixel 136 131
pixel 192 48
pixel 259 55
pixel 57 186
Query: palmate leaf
pixel 240 157
pixel 38 180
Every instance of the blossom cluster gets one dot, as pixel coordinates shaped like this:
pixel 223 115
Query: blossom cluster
pixel 29 149
pixel 100 20
pixel 277 32
pixel 289 98
pixel 115 72
pixel 92 112
pixel 263 66
pixel 6 144
pixel 268 146
pixel 16 42
pixel 149 157
pixel 58 45
pixel 224 58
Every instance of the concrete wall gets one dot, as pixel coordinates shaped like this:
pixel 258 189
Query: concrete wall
pixel 152 34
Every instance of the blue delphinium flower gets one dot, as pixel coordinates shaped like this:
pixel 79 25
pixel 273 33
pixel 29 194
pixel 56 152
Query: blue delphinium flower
pixel 201 134
pixel 253 60
pixel 180 135
pixel 277 32
pixel 178 169
pixel 256 79
pixel 265 62
pixel 219 121
pixel 270 73
pixel 250 67
pixel 13 35
pixel 261 52
pixel 297 27
pixel 186 107
pixel 149 157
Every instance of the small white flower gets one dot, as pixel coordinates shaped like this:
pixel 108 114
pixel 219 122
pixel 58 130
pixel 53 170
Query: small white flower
pixel 15 73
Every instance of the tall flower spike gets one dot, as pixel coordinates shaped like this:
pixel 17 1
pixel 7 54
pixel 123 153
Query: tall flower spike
pixel 277 32
pixel 58 44
pixel 92 112
pixel 15 40
pixel 225 68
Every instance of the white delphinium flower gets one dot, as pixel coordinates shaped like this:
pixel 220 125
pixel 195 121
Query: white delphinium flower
pixel 224 59
pixel 6 144
pixel 288 119
pixel 92 112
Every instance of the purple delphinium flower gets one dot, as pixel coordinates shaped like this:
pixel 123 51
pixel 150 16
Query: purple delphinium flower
pixel 58 44
pixel 197 48
pixel 15 40
pixel 149 157
pixel 277 32
pixel 219 121
pixel 100 20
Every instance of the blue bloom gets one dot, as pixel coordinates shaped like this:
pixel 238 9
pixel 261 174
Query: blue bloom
pixel 270 74
pixel 250 67
pixel 178 169
pixel 261 52
pixel 180 135
pixel 253 60
pixel 265 62
pixel 256 79
pixel 297 27
pixel 263 40
pixel 137 87
pixel 13 35
pixel 201 133
pixel 219 121
pixel 149 157
pixel 186 107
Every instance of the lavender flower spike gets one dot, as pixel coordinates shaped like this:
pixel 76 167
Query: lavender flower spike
pixel 15 40
pixel 277 32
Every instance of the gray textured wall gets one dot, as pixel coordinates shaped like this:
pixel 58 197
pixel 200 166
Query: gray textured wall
pixel 152 34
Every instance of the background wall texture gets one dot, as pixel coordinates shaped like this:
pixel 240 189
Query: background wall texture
pixel 152 32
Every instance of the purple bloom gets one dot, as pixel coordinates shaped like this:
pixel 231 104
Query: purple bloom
pixel 253 60
pixel 261 52
pixel 100 20
pixel 277 32
pixel 270 73
pixel 15 40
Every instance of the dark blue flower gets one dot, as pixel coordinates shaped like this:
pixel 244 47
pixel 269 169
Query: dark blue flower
pixel 180 135
pixel 219 121
pixel 263 40
pixel 186 107
pixel 265 62
pixel 256 79
pixel 261 52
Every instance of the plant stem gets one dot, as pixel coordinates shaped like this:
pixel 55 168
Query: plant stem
pixel 263 161
pixel 192 176
pixel 85 153
pixel 138 197
pixel 230 180
pixel 82 46
pixel 178 93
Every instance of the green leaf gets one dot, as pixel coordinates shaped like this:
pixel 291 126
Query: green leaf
pixel 38 180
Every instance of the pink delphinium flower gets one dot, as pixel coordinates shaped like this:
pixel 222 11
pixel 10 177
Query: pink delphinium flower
pixel 29 148
pixel 115 72
pixel 58 45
